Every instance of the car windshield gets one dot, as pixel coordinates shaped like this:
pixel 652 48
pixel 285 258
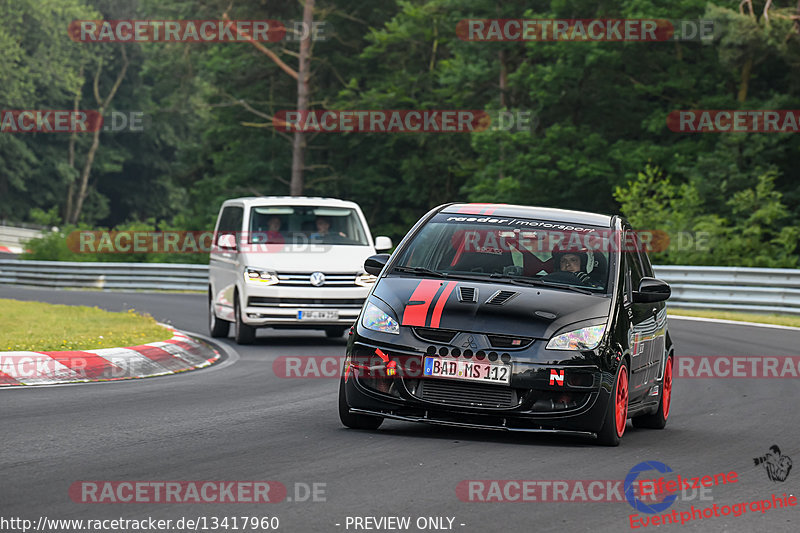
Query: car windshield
pixel 306 225
pixel 511 250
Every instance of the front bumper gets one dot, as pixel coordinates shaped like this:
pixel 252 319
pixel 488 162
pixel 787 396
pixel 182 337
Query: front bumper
pixel 281 306
pixel 532 402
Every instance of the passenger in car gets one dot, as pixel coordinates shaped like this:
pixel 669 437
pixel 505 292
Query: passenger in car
pixel 323 229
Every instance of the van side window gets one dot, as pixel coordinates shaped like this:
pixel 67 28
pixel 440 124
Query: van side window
pixel 230 221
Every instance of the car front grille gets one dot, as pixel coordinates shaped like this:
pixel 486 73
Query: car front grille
pixel 435 335
pixel 262 301
pixel 507 341
pixel 304 279
pixel 465 394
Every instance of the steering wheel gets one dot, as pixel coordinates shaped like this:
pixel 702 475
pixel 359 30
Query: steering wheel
pixel 562 276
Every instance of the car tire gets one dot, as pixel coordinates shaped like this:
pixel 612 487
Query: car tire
pixel 616 416
pixel 242 333
pixel 217 327
pixel 334 332
pixel 355 421
pixel 658 420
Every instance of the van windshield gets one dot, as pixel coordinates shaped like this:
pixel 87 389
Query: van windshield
pixel 301 224
pixel 511 250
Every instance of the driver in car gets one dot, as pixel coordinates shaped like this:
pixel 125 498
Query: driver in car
pixel 574 262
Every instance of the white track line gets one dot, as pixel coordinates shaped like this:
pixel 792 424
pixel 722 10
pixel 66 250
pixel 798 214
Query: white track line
pixel 734 322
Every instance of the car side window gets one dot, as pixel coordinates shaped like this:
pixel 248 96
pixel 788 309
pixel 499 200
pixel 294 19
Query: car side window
pixel 633 265
pixel 645 260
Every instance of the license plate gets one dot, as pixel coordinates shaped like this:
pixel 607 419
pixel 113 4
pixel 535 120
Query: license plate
pixel 449 367
pixel 318 315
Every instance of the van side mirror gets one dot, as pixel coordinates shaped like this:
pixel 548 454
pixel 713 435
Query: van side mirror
pixel 226 241
pixel 651 290
pixel 383 243
pixel 374 264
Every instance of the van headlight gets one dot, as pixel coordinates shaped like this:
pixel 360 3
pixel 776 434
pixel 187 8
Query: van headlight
pixel 580 339
pixel 260 276
pixel 365 280
pixel 376 319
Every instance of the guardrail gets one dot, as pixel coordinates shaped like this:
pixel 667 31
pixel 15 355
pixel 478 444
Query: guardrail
pixel 15 238
pixel 764 290
pixel 115 276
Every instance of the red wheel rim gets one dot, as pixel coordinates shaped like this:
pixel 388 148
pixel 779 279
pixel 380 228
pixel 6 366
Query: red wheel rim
pixel 621 406
pixel 667 397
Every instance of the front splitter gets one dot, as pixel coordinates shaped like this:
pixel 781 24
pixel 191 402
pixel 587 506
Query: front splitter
pixel 427 420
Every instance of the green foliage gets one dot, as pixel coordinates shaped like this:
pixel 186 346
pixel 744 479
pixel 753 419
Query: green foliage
pixel 753 235
pixel 599 141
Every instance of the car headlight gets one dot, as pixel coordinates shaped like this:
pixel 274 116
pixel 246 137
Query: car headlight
pixel 365 280
pixel 580 339
pixel 377 320
pixel 260 276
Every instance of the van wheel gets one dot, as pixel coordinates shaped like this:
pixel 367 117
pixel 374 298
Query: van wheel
pixel 617 410
pixel 242 333
pixel 334 332
pixel 658 420
pixel 218 328
pixel 355 421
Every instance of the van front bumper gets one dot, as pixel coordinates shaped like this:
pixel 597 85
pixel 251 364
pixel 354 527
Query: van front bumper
pixel 303 306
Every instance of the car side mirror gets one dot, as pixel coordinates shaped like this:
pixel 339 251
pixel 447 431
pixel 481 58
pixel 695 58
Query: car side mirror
pixel 383 243
pixel 651 290
pixel 226 241
pixel 374 264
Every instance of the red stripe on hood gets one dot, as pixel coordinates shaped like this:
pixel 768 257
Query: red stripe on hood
pixel 416 310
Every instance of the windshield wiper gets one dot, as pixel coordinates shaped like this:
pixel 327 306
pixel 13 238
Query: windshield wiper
pixel 542 283
pixel 420 270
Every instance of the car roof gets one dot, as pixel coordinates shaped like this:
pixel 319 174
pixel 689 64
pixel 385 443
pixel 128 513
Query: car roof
pixel 251 201
pixel 526 211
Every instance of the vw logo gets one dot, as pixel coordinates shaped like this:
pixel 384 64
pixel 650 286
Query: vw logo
pixel 318 279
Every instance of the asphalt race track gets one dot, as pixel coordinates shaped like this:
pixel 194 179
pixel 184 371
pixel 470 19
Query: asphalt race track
pixel 239 421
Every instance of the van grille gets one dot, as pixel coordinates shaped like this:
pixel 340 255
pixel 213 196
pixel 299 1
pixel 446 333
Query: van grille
pixel 304 279
pixel 262 301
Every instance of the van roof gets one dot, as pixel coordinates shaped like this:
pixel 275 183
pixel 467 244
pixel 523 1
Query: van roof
pixel 250 201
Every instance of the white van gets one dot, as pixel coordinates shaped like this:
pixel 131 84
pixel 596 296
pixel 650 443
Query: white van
pixel 289 262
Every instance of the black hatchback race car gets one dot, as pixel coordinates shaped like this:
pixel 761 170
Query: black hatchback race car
pixel 512 318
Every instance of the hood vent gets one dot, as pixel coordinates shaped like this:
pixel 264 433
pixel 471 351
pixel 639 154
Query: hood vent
pixel 467 294
pixel 501 297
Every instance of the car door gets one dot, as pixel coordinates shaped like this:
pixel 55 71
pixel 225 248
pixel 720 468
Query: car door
pixel 642 319
pixel 658 336
pixel 223 264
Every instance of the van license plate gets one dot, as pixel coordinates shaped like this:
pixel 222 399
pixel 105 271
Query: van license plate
pixel 318 315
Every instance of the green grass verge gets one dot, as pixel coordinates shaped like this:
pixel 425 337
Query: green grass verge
pixel 37 326
pixel 781 320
